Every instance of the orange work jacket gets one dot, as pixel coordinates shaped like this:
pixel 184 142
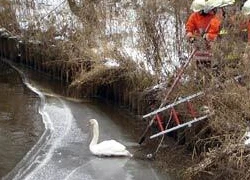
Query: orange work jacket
pixel 199 24
pixel 214 28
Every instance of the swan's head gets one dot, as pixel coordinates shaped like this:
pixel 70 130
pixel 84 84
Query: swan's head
pixel 93 122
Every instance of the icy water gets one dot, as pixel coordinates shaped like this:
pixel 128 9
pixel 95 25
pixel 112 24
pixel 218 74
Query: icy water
pixel 61 151
pixel 20 124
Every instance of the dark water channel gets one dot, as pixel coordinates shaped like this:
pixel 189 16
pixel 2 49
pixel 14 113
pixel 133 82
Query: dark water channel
pixel 20 123
pixel 56 146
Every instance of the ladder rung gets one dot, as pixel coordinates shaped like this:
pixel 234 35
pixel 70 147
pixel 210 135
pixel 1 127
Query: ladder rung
pixel 173 104
pixel 180 126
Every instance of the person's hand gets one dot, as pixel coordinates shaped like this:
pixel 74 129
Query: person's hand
pixel 190 37
pixel 205 36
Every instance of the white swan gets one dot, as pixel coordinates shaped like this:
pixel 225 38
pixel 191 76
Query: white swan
pixel 105 148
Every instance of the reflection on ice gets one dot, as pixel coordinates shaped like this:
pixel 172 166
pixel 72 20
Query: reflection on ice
pixel 112 168
pixel 62 151
pixel 101 168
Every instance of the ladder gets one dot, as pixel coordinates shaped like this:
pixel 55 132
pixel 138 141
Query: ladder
pixel 182 100
pixel 176 81
pixel 189 124
pixel 191 110
pixel 175 115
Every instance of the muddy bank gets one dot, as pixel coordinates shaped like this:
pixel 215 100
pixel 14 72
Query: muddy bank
pixel 20 123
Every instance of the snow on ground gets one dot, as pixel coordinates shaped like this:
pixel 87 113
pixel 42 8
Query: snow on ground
pixel 111 63
pixel 44 14
pixel 247 138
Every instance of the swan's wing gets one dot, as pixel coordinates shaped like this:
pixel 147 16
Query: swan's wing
pixel 109 148
pixel 111 144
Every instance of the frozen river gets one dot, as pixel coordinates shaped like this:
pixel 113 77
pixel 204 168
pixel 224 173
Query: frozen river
pixel 62 151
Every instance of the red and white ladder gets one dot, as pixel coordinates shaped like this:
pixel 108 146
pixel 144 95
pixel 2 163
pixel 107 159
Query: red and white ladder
pixel 162 107
pixel 175 114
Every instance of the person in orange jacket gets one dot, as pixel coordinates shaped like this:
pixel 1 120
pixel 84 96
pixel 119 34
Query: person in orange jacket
pixel 203 25
pixel 206 20
pixel 198 22
pixel 214 7
pixel 217 6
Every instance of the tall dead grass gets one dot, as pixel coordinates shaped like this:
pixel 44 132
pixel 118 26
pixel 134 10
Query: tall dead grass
pixel 218 143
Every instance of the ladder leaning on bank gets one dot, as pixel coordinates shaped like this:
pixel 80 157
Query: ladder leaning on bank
pixel 175 116
pixel 162 108
pixel 190 108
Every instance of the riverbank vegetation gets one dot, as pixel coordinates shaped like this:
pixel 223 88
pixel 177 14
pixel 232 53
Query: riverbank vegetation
pixel 131 46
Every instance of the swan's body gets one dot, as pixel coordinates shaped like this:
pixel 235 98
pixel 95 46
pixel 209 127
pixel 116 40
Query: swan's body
pixel 105 148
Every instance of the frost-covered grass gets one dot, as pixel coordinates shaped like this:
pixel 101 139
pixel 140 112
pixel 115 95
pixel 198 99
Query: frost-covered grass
pixel 119 20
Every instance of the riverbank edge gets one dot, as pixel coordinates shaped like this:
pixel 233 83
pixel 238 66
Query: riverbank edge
pixel 33 136
pixel 118 92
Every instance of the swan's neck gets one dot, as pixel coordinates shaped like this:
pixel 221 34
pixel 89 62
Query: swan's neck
pixel 95 135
